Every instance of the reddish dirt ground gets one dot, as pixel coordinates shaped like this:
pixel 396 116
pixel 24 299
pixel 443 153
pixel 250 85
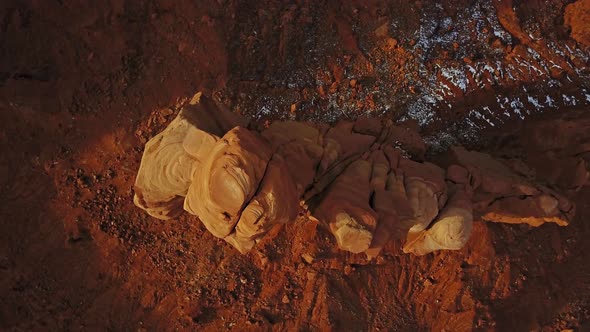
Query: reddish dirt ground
pixel 84 85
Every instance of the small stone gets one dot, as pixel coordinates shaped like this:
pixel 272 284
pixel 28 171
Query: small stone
pixel 308 258
pixel 263 258
pixel 285 299
pixel 195 99
pixel 333 87
pixel 348 269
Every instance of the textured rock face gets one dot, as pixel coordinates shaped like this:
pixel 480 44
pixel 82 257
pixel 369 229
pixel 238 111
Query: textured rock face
pixel 362 180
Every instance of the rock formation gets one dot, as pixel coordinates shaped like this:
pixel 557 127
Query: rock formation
pixel 366 181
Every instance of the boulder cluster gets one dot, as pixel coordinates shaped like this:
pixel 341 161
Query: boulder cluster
pixel 366 180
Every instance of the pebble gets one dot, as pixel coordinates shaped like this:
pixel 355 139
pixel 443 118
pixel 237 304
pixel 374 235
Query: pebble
pixel 307 258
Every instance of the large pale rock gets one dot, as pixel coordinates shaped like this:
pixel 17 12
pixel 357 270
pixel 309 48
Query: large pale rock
pixel 212 117
pixel 171 157
pixel 342 144
pixel 300 145
pixel 407 139
pixel 503 196
pixel 382 203
pixel 275 202
pixel 341 147
pixel 356 178
pixel 532 210
pixel 368 126
pixel 395 198
pixel 283 132
pixel 227 180
pixel 426 192
pixel 345 208
pixel 450 230
pixel 164 174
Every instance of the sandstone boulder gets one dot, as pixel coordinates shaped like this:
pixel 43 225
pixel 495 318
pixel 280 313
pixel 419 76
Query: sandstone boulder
pixel 228 179
pixel 359 179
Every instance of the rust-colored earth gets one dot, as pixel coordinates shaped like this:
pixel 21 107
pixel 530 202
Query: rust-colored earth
pixel 83 86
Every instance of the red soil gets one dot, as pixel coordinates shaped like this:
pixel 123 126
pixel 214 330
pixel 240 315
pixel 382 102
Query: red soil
pixel 82 87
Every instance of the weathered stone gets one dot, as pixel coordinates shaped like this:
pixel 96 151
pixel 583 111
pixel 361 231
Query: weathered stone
pixel 450 230
pixel 275 202
pixel 345 207
pixel 356 178
pixel 164 175
pixel 228 179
